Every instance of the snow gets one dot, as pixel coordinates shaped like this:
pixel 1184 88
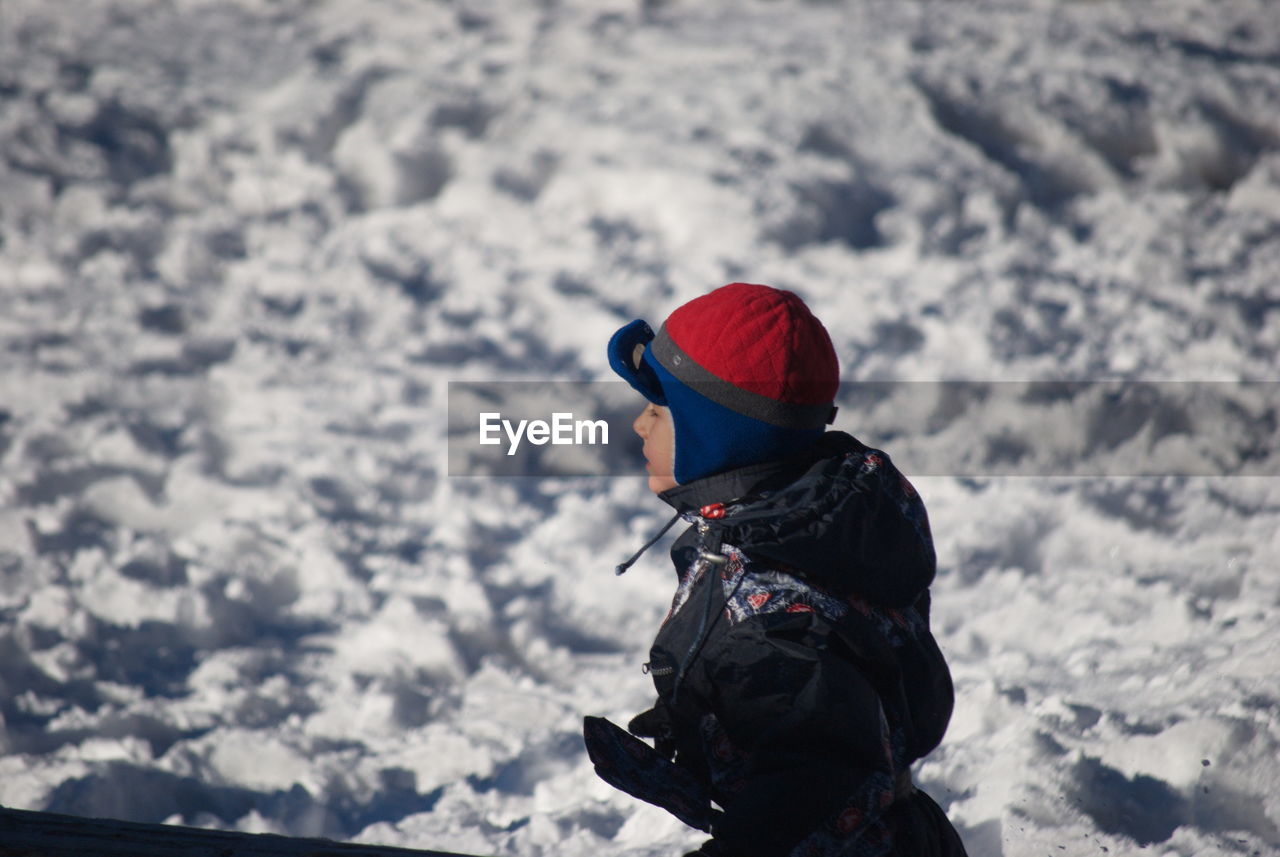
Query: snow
pixel 245 246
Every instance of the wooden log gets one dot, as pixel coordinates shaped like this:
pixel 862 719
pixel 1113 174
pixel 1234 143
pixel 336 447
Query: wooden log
pixel 46 834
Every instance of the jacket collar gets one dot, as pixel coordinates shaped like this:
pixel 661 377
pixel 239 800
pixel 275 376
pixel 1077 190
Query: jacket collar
pixel 744 482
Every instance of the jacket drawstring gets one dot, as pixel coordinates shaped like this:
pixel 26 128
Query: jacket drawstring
pixel 622 567
pixel 709 555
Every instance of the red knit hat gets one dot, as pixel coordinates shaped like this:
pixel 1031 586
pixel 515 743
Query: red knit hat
pixel 748 372
pixel 775 355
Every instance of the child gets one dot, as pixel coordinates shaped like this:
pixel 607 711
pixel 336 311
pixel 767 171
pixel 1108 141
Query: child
pixel 797 678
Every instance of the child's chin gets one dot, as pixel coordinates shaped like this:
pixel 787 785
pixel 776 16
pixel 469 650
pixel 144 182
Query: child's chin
pixel 658 484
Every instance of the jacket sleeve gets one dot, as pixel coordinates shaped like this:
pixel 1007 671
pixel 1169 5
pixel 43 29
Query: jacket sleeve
pixel 792 699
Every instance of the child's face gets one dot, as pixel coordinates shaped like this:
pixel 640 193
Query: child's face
pixel 656 430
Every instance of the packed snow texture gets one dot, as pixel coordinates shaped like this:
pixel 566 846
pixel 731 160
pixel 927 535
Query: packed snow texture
pixel 245 244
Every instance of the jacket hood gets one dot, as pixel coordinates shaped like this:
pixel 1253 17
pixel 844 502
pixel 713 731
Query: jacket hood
pixel 839 514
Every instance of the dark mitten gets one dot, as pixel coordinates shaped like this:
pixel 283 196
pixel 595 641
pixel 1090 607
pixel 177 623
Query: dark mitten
pixel 627 763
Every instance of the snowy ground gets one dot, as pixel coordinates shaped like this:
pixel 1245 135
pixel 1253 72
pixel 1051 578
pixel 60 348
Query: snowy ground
pixel 245 245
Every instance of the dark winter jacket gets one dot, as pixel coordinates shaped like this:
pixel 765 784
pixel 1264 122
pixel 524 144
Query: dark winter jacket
pixel 797 678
